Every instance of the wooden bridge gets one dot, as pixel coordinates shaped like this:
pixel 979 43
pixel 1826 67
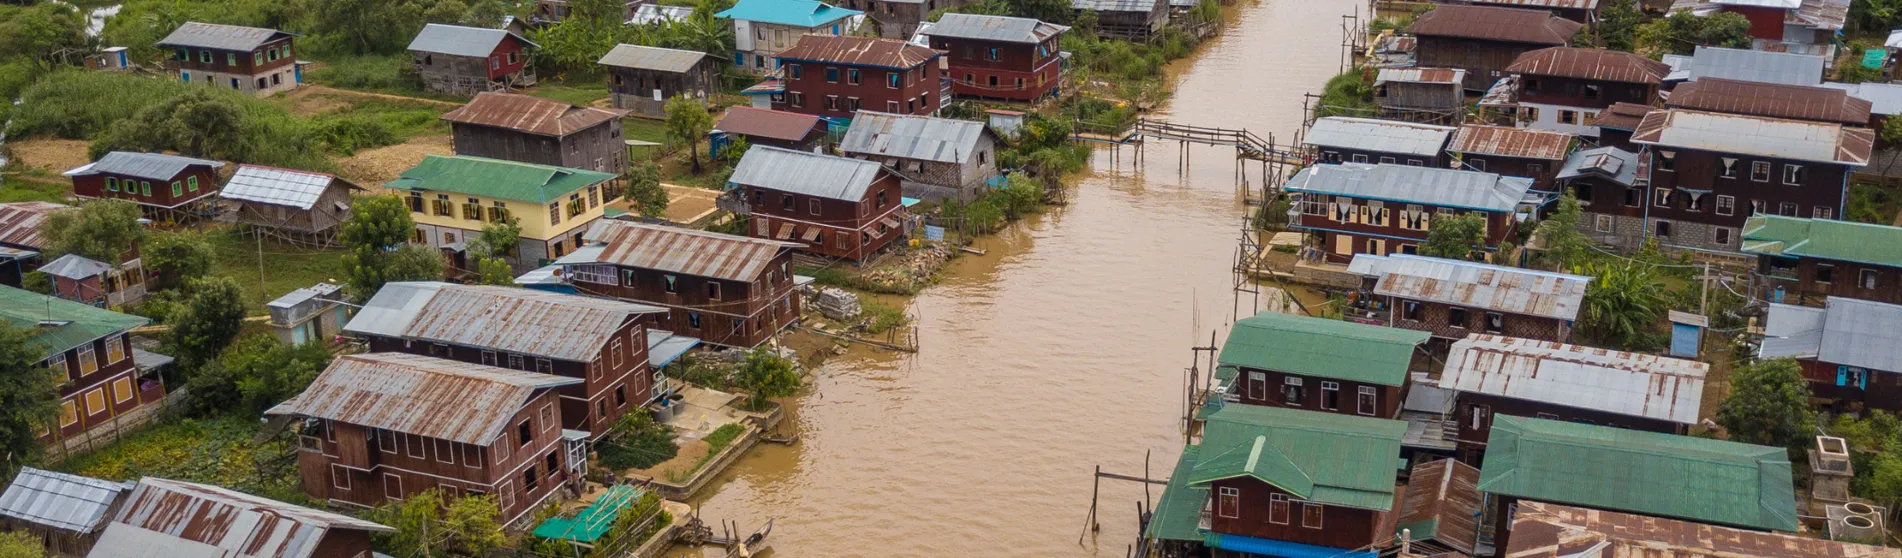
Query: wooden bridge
pixel 1247 145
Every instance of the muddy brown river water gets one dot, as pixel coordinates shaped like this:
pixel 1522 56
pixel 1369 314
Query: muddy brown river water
pixel 1060 350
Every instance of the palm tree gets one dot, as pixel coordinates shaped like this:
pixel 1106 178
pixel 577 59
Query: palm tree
pixel 1622 303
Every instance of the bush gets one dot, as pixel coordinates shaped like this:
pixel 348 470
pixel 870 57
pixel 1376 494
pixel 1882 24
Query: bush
pixel 723 436
pixel 212 451
pixel 637 442
pixel 125 111
pixel 394 73
pixel 881 317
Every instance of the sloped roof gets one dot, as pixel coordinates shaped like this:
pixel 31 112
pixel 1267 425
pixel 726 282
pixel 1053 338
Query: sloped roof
pixel 20 222
pixel 1544 530
pixel 1103 6
pixel 420 396
pixel 1884 98
pixel 1507 141
pixel 651 58
pixel 1321 348
pixel 678 250
pixel 767 123
pixel 1649 473
pixel 495 178
pixel 1590 64
pixel 1609 162
pixel 859 51
pixel 230 523
pixel 275 186
pixel 1755 65
pixel 531 114
pixel 1774 100
pixel 1822 142
pixel 59 500
pixel 1442 503
pixel 797 13
pixel 154 166
pixel 59 324
pixel 1574 4
pixel 648 14
pixel 222 37
pixel 1405 183
pixel 1446 76
pixel 1330 458
pixel 1495 24
pixel 1776 235
pixel 503 319
pixel 906 136
pixel 1476 285
pixel 1622 116
pixel 1632 384
pixel 457 40
pixel 1388 136
pixel 811 174
pixel 74 266
pixel 994 28
pixel 1845 331
pixel 1179 510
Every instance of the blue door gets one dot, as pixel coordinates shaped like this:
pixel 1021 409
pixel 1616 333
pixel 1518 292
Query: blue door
pixel 1684 340
pixel 122 61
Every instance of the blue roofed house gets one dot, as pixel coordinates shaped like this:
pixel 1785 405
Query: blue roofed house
pixel 762 28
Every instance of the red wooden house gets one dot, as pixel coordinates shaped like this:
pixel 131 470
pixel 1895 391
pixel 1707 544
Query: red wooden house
pixel 998 57
pixel 170 186
pixel 735 291
pixel 1850 350
pixel 838 207
pixel 249 59
pixel 834 76
pixel 468 60
pixel 1357 208
pixel 102 384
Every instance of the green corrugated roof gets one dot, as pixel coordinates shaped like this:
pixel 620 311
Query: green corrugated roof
pixel 62 324
pixel 1324 457
pixel 1776 235
pixel 495 178
pixel 1699 479
pixel 1322 348
pixel 591 522
pixel 1180 509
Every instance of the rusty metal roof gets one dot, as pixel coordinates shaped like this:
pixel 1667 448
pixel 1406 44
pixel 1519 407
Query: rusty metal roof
pixel 1775 100
pixel 1451 76
pixel 527 113
pixel 1632 384
pixel 1442 503
pixel 1623 116
pixel 1491 23
pixel 20 222
pixel 1507 141
pixel 1567 4
pixel 859 51
pixel 685 251
pixel 503 319
pixel 1476 285
pixel 1590 64
pixel 160 514
pixel 419 395
pixel 1546 530
pixel 1823 142
pixel 767 123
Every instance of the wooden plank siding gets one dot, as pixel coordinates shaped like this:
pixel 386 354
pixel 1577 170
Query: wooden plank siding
pixel 98 383
pixel 851 229
pixel 1271 388
pixel 1474 412
pixel 1254 513
pixel 1732 199
pixel 635 89
pixel 1438 319
pixel 745 314
pixel 597 148
pixel 1343 239
pixel 1485 61
pixel 1018 74
pixel 161 194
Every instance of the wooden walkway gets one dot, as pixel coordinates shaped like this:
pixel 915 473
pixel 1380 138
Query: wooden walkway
pixel 1247 145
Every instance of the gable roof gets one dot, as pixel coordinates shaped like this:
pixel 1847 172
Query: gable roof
pixel 1388 136
pixel 1330 458
pixel 1846 331
pixel 20 222
pixel 1822 142
pixel 994 28
pixel 811 174
pixel 163 513
pixel 1476 285
pixel 1775 100
pixel 1622 116
pixel 530 114
pixel 1612 163
pixel 75 267
pixel 797 13
pixel 906 136
pixel 420 396
pixel 1442 76
pixel 1321 348
pixel 503 319
pixel 1884 98
pixel 1667 475
pixel 275 186
pixel 1590 64
pixel 1754 65
pixel 153 166
pixel 1631 384
pixel 221 37
pixel 495 178
pixel 1104 6
pixel 458 40
pixel 859 51
pixel 1405 183
pixel 1507 141
pixel 678 250
pixel 59 500
pixel 767 123
pixel 1495 24
pixel 651 58
pixel 59 324
pixel 1544 530
pixel 1776 235
pixel 1442 503
pixel 1179 510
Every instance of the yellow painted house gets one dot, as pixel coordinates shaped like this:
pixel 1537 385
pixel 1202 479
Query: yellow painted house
pixel 452 197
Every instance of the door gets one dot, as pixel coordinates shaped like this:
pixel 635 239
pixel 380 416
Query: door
pixel 1257 386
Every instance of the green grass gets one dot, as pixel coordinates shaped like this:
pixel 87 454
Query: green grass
pixel 645 129
pixel 285 268
pixel 212 451
pixel 884 317
pixel 577 93
pixel 1870 203
pixel 716 441
pixel 16 189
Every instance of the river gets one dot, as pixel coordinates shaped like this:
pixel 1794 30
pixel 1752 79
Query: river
pixel 1060 350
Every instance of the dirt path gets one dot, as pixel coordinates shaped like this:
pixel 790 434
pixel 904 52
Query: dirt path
pixel 317 89
pixel 687 204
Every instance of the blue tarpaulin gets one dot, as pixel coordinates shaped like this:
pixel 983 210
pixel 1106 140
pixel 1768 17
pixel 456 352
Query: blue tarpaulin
pixel 1279 549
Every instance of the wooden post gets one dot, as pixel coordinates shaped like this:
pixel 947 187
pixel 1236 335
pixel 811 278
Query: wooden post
pixel 1089 521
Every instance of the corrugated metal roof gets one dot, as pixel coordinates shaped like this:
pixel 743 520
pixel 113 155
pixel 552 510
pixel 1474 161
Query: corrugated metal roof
pixel 1507 141
pixel 1449 76
pixel 1495 24
pixel 495 178
pixel 677 250
pixel 652 14
pixel 1822 142
pixel 907 136
pixel 1631 384
pixel 797 13
pixel 75 267
pixel 859 51
pixel 651 58
pixel 1330 458
pixel 304 294
pixel 155 166
pixel 1776 235
pixel 1846 332
pixel 994 28
pixel 1590 64
pixel 1442 503
pixel 60 500
pixel 503 319
pixel 1609 162
pixel 1572 4
pixel 1321 348
pixel 20 222
pixel 1649 473
pixel 1387 136
pixel 1792 331
pixel 421 396
pixel 222 37
pixel 1476 285
pixel 1775 100
pixel 1824 15
pixel 275 186
pixel 232 522
pixel 531 114
pixel 1403 183
pixel 767 123
pixel 1755 65
pixel 457 40
pixel 59 324
pixel 1179 510
pixel 1544 530
pixel 1884 98
pixel 1622 116
pixel 798 172
pixel 1115 5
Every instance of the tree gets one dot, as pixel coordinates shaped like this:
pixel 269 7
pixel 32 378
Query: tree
pixel 29 397
pixel 1617 25
pixel 494 271
pixel 1457 238
pixel 637 441
pixel 414 262
pixel 20 544
pixel 254 374
pixel 198 123
pixel 376 222
pixel 766 375
pixel 1022 195
pixel 1682 33
pixel 1621 304
pixel 427 528
pixel 645 194
pixel 498 240
pixel 687 122
pixel 176 258
pixel 208 322
pixel 1768 404
pixel 38 31
pixel 101 230
pixel 1891 135
pixel 375 237
pixel 1565 245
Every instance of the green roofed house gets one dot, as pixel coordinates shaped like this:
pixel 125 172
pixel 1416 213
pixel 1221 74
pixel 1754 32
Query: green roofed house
pixel 1805 261
pixel 1646 473
pixel 104 381
pixel 451 197
pixel 1334 366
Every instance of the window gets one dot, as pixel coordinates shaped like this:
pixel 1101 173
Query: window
pixel 1760 171
pixel 530 481
pixel 1634 197
pixel 1311 515
pixel 554 213
pixel 1476 164
pixel 1866 279
pixel 515 362
pixel 1729 167
pixel 392 487
pixel 1726 205
pixel 1531 113
pixel 1257 385
pixel 1591 92
pixel 1495 322
pixel 552 462
pixel 1787 209
pixel 1568 117
pixel 713 290
pixel 1667 160
pixel 620 396
pixel 204 56
pixel 68 413
pixel 1229 505
pixel 95 402
pixel 385 441
pixel 1793 175
pixel 852 76
pixel 1330 395
pixel 339 477
pixel 1825 273
pixel 1583 193
pixel 1720 235
pixel 525 431
pixel 1823 212
pixel 548 417
pixel 891 106
pixel 177 189
pixel 798 99
pixel 1291 391
pixel 832 75
pixel 1662 228
pixel 416 445
pixel 122 389
pixel 1756 208
pixel 891 80
pixel 58 364
pixel 1602 223
pixel 1456 317
pixel 115 349
pixel 1410 310
pixel 812 206
pixel 1360 157
pixel 693 320
pixel 544 366
pixel 1278 509
pixel 1481 417
pixel 112 185
pixel 1663 199
pixel 88 363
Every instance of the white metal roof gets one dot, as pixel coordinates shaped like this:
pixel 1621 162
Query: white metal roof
pixel 906 136
pixel 1475 285
pixel 275 186
pixel 1404 183
pixel 1633 384
pixel 1884 98
pixel 1845 331
pixel 1803 140
pixel 1386 136
pixel 155 166
pixel 60 500
pixel 1755 65
pixel 811 174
